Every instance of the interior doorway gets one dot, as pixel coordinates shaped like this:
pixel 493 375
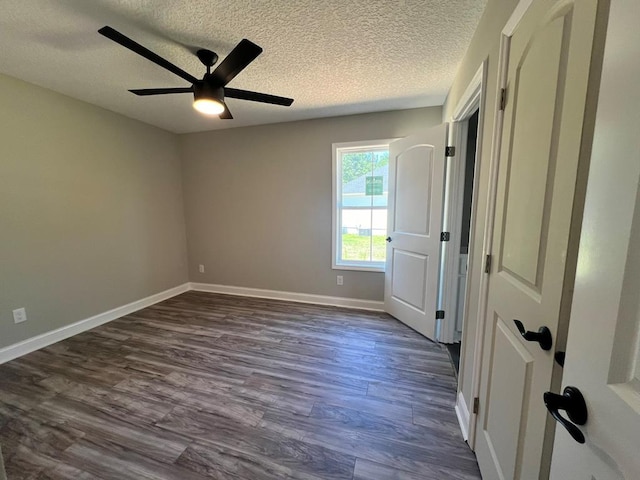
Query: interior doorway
pixel 466 223
pixel 460 244
pixel 460 205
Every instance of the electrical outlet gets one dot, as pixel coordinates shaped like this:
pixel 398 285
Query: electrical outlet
pixel 339 280
pixel 19 315
pixel 201 268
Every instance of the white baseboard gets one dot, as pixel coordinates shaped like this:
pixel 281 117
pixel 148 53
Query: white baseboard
pixel 290 296
pixel 462 412
pixel 40 341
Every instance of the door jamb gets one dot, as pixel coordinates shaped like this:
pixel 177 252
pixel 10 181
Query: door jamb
pixel 472 100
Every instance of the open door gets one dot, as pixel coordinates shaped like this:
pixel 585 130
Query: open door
pixel 416 182
pixel 532 269
pixel 602 359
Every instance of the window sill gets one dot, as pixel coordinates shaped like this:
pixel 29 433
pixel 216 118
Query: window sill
pixel 359 268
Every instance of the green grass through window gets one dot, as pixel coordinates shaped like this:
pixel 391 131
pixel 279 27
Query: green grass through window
pixel 357 247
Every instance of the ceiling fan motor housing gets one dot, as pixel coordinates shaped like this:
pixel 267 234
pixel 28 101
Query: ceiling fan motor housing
pixel 205 90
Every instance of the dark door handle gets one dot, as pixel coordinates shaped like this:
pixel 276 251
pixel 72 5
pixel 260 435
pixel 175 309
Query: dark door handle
pixel 572 402
pixel 389 239
pixel 542 336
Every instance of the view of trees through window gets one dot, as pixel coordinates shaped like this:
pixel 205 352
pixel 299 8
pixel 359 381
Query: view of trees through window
pixel 357 164
pixel 364 190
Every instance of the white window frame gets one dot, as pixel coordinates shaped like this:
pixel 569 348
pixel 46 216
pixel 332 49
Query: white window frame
pixel 336 210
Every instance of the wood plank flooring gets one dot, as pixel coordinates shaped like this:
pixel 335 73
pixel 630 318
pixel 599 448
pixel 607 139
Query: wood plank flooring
pixel 223 387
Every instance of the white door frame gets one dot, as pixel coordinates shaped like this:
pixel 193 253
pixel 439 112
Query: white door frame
pixel 462 409
pixel 473 99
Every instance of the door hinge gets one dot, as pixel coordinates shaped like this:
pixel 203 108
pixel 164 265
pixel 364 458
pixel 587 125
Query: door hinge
pixel 503 98
pixel 445 236
pixel 476 405
pixel 439 314
pixel 450 151
pixel 487 264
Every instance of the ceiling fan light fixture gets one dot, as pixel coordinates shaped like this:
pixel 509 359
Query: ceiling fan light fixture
pixel 208 106
pixel 208 100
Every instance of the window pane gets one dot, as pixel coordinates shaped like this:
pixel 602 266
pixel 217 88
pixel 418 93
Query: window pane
pixel 379 235
pixel 381 169
pixel 355 165
pixel 356 235
pixel 365 179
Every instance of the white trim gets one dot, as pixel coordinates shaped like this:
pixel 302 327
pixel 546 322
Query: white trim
pixel 359 268
pixel 473 99
pixel 516 17
pixel 462 412
pixel 45 339
pixel 48 338
pixel 470 99
pixel 289 296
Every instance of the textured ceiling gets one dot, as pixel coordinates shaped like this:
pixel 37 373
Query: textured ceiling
pixel 334 57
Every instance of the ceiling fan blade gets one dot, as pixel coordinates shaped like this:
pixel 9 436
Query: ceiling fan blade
pixel 256 97
pixel 126 42
pixel 143 92
pixel 242 55
pixel 226 115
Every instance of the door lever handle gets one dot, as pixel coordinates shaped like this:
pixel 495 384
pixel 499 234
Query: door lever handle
pixel 542 336
pixel 572 402
pixel 388 239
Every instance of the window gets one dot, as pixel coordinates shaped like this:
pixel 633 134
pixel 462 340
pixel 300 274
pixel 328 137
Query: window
pixel 360 187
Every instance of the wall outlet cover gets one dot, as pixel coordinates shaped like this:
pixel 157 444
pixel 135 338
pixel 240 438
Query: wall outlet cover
pixel 19 315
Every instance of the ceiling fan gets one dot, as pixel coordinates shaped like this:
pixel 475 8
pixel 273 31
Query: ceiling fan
pixel 210 92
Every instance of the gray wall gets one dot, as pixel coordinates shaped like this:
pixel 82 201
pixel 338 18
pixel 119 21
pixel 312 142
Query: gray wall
pixel 258 202
pixel 91 211
pixel 92 215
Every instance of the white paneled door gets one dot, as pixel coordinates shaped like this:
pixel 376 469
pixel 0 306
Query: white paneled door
pixel 603 358
pixel 549 56
pixel 416 182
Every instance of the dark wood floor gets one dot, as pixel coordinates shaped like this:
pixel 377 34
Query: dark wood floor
pixel 213 386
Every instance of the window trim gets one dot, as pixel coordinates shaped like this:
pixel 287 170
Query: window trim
pixel 335 204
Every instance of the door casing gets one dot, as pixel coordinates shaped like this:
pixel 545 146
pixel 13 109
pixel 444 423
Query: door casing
pixel 472 100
